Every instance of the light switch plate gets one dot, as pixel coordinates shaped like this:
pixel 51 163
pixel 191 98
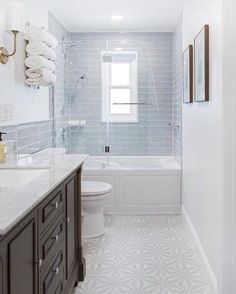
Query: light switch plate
pixel 6 112
pixel 9 111
pixel 1 112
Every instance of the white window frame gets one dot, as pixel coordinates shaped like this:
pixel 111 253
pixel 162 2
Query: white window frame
pixel 106 116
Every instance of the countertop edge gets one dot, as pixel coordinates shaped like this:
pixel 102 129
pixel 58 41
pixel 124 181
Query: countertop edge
pixel 8 228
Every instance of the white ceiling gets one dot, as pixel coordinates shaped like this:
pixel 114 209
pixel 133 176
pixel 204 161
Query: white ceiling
pixel 95 15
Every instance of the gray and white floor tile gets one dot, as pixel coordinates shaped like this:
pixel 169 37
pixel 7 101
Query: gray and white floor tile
pixel 144 255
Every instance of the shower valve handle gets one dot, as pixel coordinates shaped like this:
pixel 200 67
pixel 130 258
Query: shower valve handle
pixel 107 149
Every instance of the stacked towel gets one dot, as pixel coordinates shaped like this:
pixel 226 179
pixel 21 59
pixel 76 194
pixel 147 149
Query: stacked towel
pixel 40 77
pixel 36 61
pixel 40 57
pixel 39 48
pixel 34 33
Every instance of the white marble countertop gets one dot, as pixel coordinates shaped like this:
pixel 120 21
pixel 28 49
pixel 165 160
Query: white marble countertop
pixel 15 203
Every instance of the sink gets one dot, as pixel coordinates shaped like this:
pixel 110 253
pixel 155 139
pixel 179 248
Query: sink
pixel 18 178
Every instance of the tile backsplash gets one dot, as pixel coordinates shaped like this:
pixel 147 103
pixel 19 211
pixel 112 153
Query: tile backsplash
pixel 28 137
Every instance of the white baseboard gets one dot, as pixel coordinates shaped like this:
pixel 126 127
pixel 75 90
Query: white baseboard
pixel 206 262
pixel 142 209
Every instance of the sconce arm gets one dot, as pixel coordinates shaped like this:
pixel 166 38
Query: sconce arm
pixel 14 50
pixel 4 55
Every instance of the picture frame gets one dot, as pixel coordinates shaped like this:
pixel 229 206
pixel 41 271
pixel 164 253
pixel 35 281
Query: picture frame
pixel 201 65
pixel 188 75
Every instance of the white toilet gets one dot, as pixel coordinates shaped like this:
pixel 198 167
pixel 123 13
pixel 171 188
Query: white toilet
pixel 94 195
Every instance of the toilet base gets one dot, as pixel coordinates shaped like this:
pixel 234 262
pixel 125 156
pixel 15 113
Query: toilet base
pixel 94 195
pixel 93 225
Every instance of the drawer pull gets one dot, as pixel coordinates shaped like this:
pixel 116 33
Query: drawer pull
pixel 56 238
pixel 55 205
pixel 68 220
pixel 39 262
pixel 56 271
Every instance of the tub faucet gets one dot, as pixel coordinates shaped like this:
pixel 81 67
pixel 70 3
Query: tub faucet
pixel 107 149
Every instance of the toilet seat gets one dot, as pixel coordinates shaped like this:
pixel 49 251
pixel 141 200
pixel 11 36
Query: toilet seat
pixel 94 188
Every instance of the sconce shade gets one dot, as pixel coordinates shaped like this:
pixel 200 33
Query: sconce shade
pixel 15 20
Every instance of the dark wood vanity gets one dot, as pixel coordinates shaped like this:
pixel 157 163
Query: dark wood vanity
pixel 42 254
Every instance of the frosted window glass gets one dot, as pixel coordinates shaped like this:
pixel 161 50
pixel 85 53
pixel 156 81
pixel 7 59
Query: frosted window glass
pixel 120 74
pixel 120 96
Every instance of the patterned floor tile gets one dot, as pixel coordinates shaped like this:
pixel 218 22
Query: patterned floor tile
pixel 144 255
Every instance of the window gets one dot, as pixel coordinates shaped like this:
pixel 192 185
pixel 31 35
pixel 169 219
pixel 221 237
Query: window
pixel 119 87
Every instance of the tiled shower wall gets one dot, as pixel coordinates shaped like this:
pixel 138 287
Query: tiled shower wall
pixel 160 85
pixel 152 135
pixel 28 138
pixel 59 94
pixel 177 91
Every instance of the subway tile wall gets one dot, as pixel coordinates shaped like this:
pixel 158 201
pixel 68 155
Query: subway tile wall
pixel 177 91
pixel 152 135
pixel 29 137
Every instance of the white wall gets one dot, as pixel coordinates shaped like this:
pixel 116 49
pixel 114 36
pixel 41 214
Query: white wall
pixel 202 136
pixel 29 104
pixel 228 284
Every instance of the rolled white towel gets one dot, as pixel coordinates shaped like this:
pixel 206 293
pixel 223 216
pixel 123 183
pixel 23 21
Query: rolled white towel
pixel 40 77
pixel 36 62
pixel 34 33
pixel 39 48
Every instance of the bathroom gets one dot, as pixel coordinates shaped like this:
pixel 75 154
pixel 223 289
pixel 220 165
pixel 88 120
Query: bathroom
pixel 117 170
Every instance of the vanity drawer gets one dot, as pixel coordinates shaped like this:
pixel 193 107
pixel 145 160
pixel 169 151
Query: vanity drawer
pixel 51 241
pixel 50 208
pixel 52 282
pixel 59 288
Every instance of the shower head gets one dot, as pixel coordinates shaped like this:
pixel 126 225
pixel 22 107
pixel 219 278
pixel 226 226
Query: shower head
pixel 83 77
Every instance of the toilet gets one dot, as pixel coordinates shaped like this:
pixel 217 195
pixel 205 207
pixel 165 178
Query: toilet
pixel 94 195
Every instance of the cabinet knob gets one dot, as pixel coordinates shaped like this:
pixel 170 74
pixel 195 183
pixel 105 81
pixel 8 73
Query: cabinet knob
pixel 56 238
pixel 55 205
pixel 56 271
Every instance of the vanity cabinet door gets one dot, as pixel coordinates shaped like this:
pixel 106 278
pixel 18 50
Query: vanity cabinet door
pixel 1 276
pixel 21 255
pixel 71 226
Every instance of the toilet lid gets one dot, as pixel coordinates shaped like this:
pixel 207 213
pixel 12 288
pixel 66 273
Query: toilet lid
pixel 91 188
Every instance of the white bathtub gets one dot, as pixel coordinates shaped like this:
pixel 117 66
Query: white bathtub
pixel 141 184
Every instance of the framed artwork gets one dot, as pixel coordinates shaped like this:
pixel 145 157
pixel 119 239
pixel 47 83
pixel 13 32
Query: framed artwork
pixel 188 75
pixel 201 65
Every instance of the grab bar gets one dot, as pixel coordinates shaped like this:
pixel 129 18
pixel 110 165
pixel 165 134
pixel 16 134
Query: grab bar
pixel 132 103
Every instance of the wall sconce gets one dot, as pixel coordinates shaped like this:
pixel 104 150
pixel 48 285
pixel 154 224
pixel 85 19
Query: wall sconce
pixel 15 24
